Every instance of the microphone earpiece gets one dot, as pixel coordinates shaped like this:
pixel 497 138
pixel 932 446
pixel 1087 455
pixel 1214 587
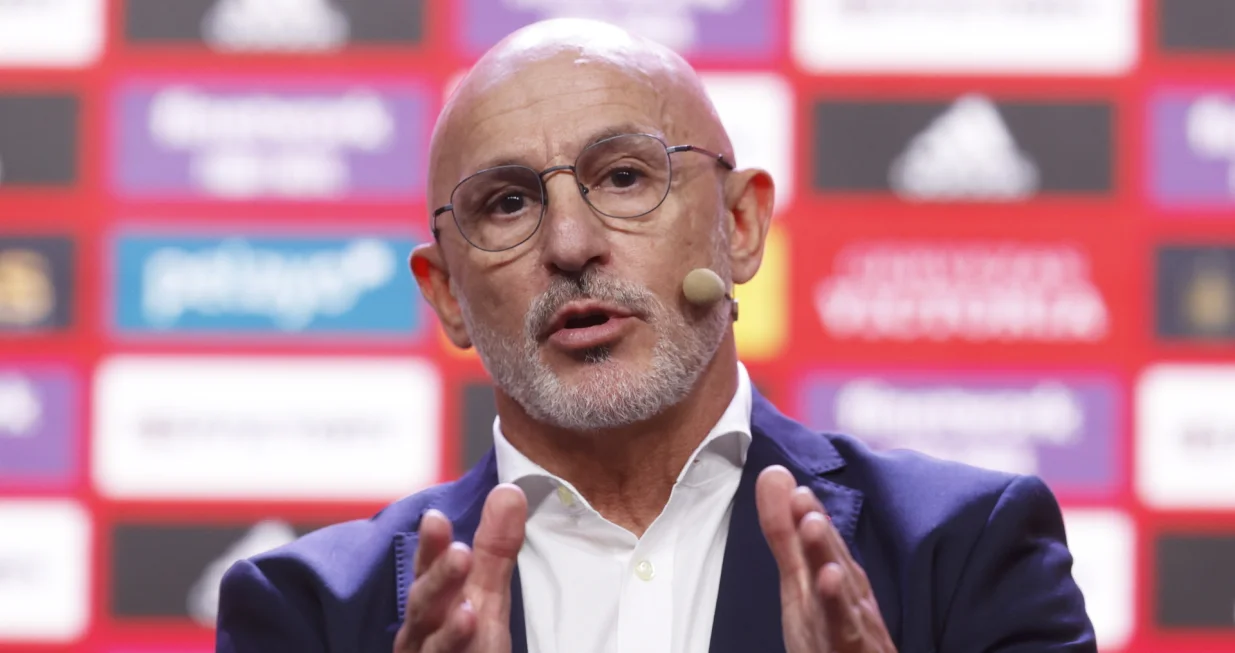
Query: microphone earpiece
pixel 704 287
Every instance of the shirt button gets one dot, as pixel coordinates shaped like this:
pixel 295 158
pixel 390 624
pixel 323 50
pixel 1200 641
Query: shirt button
pixel 645 570
pixel 565 496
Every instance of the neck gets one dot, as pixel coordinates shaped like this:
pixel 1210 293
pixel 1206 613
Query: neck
pixel 627 473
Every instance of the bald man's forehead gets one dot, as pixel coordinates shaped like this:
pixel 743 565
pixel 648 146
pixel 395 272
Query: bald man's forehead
pixel 547 111
pixel 548 116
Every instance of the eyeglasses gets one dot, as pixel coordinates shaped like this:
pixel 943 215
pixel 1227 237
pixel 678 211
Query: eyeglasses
pixel 625 176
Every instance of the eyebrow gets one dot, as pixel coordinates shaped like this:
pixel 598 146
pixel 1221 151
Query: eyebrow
pixel 620 130
pixel 611 131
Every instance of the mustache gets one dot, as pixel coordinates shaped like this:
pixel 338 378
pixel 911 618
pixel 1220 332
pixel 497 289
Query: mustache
pixel 629 295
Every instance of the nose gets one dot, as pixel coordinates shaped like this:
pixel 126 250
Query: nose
pixel 574 236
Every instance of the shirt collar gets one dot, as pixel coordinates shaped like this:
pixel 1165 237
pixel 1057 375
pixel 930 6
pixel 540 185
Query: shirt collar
pixel 729 439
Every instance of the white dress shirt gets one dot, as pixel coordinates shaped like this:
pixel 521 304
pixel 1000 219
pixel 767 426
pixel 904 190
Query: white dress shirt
pixel 591 586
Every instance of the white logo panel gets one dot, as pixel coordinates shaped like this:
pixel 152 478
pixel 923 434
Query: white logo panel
pixel 275 25
pixel 1186 436
pixel 1085 37
pixel 53 33
pixel 290 428
pixel 44 570
pixel 757 112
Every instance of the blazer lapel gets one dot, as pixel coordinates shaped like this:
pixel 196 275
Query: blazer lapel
pixel 748 614
pixel 461 502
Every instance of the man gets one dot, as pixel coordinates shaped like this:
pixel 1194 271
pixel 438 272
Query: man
pixel 641 495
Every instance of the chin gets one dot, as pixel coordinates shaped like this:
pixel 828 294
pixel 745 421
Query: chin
pixel 610 361
pixel 622 382
pixel 595 390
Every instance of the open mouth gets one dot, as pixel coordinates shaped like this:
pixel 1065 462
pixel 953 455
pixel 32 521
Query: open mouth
pixel 586 320
pixel 587 324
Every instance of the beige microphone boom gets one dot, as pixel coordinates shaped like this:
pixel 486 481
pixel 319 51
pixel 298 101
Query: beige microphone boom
pixel 703 287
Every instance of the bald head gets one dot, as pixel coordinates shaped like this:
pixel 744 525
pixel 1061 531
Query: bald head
pixel 577 205
pixel 543 69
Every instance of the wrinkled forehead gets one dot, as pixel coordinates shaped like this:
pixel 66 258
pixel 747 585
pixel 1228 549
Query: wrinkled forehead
pixel 540 109
pixel 546 113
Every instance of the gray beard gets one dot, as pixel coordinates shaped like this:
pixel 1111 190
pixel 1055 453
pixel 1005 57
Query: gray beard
pixel 612 394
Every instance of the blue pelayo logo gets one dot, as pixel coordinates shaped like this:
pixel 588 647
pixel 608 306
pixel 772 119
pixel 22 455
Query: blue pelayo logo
pixel 238 285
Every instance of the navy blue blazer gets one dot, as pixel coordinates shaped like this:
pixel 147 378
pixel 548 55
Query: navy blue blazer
pixel 962 560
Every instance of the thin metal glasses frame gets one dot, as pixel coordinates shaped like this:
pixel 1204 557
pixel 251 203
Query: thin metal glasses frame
pixel 540 176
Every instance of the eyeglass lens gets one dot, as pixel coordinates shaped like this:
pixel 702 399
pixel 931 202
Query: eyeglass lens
pixel 621 177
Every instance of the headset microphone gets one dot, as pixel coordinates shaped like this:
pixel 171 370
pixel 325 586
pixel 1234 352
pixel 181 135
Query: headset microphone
pixel 704 287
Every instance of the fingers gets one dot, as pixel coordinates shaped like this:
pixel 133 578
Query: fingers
pixel 845 624
pixel 439 619
pixel 824 543
pixel 803 502
pixel 434 592
pixel 833 584
pixel 821 543
pixel 456 634
pixel 801 533
pixel 849 605
pixel 498 539
pixel 816 547
pixel 439 570
pixel 853 621
pixel 773 490
pixel 435 535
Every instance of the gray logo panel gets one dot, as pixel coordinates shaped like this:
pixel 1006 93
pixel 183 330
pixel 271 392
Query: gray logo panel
pixel 479 411
pixel 971 148
pixel 1196 25
pixel 174 570
pixel 1195 581
pixel 1195 294
pixel 264 25
pixel 38 140
pixel 36 283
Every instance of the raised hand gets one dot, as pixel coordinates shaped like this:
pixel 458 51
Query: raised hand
pixel 459 601
pixel 827 605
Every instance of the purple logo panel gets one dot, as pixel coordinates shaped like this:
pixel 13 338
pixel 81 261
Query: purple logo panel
pixel 743 29
pixel 1192 163
pixel 38 427
pixel 270 139
pixel 1063 428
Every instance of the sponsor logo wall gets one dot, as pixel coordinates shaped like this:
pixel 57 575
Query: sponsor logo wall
pixel 274 26
pixel 36 283
pixel 972 147
pixel 174 570
pixel 39 140
pixel 983 249
pixel 45 570
pixel 40 433
pixel 277 138
pixel 230 283
pixel 1088 37
pixel 1193 134
pixel 1064 428
pixel 731 30
pixel 51 33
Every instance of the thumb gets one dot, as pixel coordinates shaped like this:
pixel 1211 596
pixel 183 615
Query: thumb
pixel 499 537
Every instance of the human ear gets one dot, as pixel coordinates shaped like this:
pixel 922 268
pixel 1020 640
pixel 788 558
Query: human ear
pixel 429 269
pixel 749 197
